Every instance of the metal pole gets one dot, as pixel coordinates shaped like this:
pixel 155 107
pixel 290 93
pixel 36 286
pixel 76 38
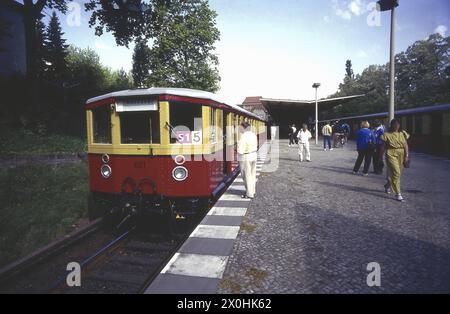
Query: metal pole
pixel 392 68
pixel 317 120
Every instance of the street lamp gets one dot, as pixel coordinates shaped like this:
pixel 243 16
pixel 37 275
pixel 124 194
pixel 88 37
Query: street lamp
pixel 316 86
pixel 386 5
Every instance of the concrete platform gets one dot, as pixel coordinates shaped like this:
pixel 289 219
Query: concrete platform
pixel 315 227
pixel 199 264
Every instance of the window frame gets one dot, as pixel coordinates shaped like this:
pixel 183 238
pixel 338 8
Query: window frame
pixel 108 109
pixel 150 142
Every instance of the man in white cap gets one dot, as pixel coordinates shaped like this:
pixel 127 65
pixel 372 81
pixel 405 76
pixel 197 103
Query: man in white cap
pixel 247 154
pixel 303 143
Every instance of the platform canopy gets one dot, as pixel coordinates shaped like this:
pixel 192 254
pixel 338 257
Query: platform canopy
pixel 273 104
pixel 284 112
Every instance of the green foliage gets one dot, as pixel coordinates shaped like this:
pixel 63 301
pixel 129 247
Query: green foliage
pixel 89 77
pixel 41 53
pixel 85 71
pixel 141 63
pixel 182 52
pixel 24 142
pixel 38 204
pixel 121 80
pixel 128 21
pixel 182 35
pixel 422 72
pixel 422 78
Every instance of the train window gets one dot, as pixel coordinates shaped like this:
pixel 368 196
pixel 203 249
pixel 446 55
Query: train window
pixel 139 127
pixel 101 118
pixel 184 117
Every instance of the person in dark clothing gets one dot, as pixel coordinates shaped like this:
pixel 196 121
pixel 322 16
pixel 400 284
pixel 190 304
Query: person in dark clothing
pixel 364 144
pixel 378 131
pixel 292 135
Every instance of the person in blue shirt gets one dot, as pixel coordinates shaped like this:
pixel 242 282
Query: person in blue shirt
pixel 378 131
pixel 364 143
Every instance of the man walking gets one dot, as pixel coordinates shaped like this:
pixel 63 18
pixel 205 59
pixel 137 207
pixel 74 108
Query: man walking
pixel 247 154
pixel 303 143
pixel 327 131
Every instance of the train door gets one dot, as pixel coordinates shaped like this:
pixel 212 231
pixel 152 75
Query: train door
pixel 225 147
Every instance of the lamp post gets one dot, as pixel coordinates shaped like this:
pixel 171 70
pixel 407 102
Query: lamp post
pixel 386 5
pixel 316 86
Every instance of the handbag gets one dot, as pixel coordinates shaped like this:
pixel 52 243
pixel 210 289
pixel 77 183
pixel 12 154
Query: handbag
pixel 407 163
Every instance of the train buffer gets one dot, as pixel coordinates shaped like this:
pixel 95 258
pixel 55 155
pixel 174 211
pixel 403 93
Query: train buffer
pixel 318 228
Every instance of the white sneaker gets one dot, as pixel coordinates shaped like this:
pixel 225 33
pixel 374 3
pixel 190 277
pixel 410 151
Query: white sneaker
pixel 399 198
pixel 331 148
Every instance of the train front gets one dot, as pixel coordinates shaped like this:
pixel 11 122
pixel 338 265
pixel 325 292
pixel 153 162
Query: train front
pixel 159 151
pixel 136 165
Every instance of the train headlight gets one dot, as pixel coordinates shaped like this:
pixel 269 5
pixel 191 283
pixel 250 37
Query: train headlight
pixel 179 173
pixel 106 171
pixel 105 158
pixel 179 160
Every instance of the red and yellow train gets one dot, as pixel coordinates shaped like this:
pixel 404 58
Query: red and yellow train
pixel 165 150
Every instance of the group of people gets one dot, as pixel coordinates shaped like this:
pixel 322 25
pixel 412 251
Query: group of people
pixel 301 138
pixel 336 131
pixel 373 144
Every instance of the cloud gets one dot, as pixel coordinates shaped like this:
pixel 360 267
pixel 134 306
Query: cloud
pixel 326 19
pixel 361 54
pixel 346 10
pixel 356 7
pixel 346 15
pixel 101 46
pixel 441 30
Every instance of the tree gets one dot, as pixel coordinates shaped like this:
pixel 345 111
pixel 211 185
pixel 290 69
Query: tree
pixel 422 78
pixel 121 80
pixel 421 72
pixel 348 70
pixel 182 52
pixel 129 21
pixel 141 63
pixel 56 50
pixel 32 14
pixel 183 34
pixel 41 53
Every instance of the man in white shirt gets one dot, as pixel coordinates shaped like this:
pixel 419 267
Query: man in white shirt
pixel 247 154
pixel 303 143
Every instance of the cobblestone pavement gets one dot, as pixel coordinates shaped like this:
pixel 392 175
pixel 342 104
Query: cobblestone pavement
pixel 314 227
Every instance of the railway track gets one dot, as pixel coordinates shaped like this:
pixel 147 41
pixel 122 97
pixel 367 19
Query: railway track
pixel 124 263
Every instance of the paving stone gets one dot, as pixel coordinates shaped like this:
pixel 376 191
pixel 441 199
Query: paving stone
pixel 317 226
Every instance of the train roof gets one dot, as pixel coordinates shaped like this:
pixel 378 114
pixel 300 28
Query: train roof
pixel 402 112
pixel 182 92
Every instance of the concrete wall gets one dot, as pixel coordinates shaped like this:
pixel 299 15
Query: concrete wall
pixel 12 57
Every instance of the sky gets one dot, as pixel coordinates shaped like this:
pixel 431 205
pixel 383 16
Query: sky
pixel 279 48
